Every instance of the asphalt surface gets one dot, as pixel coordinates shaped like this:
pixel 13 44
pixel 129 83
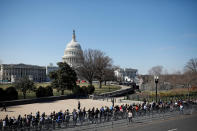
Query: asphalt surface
pixel 179 123
pixel 167 122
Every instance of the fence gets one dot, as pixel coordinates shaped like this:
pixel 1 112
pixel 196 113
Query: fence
pixel 109 119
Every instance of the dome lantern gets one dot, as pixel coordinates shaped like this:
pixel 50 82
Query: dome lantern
pixel 74 37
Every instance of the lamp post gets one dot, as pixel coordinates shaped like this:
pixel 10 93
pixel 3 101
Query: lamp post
pixel 156 82
pixel 188 91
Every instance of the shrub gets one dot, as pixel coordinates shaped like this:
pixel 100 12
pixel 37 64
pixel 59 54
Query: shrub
pixel 11 93
pixel 41 92
pixel 90 89
pixel 49 91
pixel 76 89
pixel 2 94
pixel 84 90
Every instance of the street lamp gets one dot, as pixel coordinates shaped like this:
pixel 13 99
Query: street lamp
pixel 188 91
pixel 156 81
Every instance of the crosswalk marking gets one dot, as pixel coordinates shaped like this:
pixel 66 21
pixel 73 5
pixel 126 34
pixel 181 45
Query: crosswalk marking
pixel 173 129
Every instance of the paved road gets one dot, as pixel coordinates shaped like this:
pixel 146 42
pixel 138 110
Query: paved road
pixel 171 121
pixel 179 123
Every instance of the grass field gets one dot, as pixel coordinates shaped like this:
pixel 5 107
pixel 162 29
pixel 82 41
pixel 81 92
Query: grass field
pixel 174 92
pixel 31 94
pixel 177 93
pixel 105 88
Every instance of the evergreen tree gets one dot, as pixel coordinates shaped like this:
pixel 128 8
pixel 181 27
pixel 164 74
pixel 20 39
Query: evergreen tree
pixel 63 78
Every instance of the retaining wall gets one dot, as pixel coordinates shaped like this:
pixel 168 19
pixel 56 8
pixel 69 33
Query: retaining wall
pixel 38 100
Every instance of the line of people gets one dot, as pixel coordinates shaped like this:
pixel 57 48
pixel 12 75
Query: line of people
pixel 90 116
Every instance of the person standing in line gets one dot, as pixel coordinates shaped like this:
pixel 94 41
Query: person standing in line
pixel 130 116
pixel 67 117
pixel 181 108
pixel 1 124
pixel 74 114
pixel 4 124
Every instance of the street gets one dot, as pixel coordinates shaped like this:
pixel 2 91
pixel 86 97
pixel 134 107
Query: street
pixel 179 123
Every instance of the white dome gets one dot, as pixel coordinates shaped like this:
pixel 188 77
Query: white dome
pixel 73 45
pixel 73 52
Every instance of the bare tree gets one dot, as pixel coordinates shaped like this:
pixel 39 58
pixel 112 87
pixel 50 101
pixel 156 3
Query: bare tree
pixel 190 74
pixel 87 69
pixel 102 63
pixel 191 65
pixel 95 65
pixel 156 70
pixel 109 75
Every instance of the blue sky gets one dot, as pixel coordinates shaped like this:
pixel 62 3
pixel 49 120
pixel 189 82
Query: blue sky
pixel 134 33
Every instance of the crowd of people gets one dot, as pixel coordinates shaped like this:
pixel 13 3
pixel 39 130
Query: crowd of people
pixel 90 116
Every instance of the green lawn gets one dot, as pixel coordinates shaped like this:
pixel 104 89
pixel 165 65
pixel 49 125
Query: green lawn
pixel 4 86
pixel 105 88
pixel 166 95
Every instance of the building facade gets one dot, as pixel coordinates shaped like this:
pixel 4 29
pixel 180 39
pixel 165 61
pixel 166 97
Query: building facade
pixel 73 54
pixel 127 74
pixel 49 69
pixel 130 74
pixel 13 72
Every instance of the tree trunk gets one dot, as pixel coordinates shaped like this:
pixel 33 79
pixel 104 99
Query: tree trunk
pixel 62 92
pixel 90 82
pixel 105 83
pixel 100 84
pixel 24 95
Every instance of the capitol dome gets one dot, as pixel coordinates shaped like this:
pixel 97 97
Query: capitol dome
pixel 73 44
pixel 73 53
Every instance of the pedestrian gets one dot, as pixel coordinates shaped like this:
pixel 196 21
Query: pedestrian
pixel 130 116
pixel 96 115
pixel 181 108
pixel 79 105
pixel 67 118
pixel 1 124
pixel 80 113
pixel 4 124
pixel 4 107
pixel 84 113
pixel 74 114
pixel 113 102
